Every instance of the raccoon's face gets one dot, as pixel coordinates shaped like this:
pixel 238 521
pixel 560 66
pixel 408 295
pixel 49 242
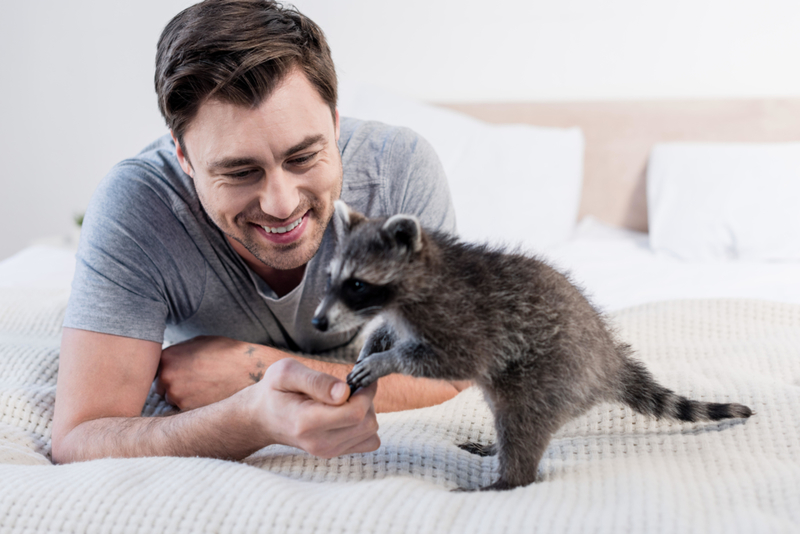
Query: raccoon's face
pixel 365 277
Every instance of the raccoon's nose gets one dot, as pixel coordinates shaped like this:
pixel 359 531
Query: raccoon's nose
pixel 320 323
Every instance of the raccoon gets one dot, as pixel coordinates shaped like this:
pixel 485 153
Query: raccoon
pixel 510 323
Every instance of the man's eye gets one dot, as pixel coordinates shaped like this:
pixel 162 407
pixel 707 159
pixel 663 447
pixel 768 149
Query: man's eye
pixel 302 160
pixel 240 175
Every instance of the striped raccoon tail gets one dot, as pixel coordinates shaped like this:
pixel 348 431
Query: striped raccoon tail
pixel 641 392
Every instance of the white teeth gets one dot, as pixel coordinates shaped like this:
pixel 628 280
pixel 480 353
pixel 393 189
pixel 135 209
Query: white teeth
pixel 282 229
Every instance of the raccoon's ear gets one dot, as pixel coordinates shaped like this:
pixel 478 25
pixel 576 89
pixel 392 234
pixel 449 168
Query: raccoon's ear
pixel 348 217
pixel 405 230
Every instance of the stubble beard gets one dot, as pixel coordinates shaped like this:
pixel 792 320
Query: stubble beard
pixel 290 255
pixel 281 256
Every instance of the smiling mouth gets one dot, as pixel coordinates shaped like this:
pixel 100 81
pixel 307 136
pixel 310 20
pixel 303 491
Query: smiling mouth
pixel 283 229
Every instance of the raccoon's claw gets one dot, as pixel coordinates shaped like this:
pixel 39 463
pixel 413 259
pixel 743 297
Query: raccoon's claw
pixel 353 388
pixel 359 377
pixel 368 370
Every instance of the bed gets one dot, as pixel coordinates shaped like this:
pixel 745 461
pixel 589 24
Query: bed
pixel 673 218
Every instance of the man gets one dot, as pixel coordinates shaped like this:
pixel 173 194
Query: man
pixel 218 236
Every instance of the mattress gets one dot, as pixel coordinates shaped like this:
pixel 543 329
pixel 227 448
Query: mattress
pixel 728 338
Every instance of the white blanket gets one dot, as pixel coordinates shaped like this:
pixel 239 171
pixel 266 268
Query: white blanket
pixel 608 471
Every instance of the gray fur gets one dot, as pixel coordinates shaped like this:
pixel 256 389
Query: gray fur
pixel 510 323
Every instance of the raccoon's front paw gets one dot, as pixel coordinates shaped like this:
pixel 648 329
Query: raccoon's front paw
pixel 361 376
pixel 368 370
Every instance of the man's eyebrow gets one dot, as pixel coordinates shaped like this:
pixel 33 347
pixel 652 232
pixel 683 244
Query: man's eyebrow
pixel 304 144
pixel 232 163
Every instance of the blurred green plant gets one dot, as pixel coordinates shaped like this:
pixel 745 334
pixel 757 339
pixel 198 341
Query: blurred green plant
pixel 78 218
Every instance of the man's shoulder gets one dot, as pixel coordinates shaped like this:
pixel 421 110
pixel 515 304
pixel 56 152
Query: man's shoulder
pixel 374 152
pixel 143 202
pixel 352 128
pixel 153 173
pixel 392 169
pixel 358 136
pixel 143 249
pixel 159 156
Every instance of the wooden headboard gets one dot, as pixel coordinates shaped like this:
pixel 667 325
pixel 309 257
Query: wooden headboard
pixel 619 136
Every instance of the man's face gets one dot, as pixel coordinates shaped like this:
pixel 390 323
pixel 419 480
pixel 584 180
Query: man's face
pixel 268 176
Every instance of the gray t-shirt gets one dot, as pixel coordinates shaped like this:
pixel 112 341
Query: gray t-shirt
pixel 151 265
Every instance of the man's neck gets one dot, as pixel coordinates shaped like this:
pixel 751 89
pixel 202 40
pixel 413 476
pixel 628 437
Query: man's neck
pixel 281 281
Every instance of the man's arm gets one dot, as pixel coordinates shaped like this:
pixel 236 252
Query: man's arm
pixel 103 382
pixel 207 369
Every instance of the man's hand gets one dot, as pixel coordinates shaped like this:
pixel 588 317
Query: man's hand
pixel 315 413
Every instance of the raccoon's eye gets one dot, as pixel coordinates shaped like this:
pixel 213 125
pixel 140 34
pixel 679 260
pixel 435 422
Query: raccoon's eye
pixel 355 286
pixel 362 296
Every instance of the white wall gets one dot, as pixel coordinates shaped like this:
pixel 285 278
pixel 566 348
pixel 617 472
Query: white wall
pixel 456 50
pixel 76 93
pixel 76 96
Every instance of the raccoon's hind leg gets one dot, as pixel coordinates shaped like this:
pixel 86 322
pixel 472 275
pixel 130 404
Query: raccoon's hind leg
pixel 479 449
pixel 639 390
pixel 521 442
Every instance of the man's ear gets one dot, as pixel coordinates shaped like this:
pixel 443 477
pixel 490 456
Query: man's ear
pixel 404 230
pixel 349 218
pixel 183 159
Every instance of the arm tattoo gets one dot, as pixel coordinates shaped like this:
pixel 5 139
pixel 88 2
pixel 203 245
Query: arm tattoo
pixel 256 377
pixel 259 374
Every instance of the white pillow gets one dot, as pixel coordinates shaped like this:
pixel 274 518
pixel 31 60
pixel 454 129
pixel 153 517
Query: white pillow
pixel 725 201
pixel 516 184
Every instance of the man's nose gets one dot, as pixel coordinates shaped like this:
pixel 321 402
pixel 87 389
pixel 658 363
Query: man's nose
pixel 279 197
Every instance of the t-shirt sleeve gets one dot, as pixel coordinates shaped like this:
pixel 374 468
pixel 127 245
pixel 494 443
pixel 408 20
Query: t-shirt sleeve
pixel 136 267
pixel 418 184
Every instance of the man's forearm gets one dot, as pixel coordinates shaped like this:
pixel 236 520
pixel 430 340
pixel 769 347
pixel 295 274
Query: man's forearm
pixel 219 430
pixel 205 370
pixel 103 382
pixel 395 392
pixel 403 392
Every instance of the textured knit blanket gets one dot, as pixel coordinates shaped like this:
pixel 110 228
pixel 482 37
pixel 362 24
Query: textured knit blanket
pixel 609 471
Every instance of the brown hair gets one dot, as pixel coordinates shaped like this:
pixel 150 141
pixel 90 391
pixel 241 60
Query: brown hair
pixel 236 51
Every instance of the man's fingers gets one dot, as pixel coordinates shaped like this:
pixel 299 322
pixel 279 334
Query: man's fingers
pixel 292 376
pixel 358 406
